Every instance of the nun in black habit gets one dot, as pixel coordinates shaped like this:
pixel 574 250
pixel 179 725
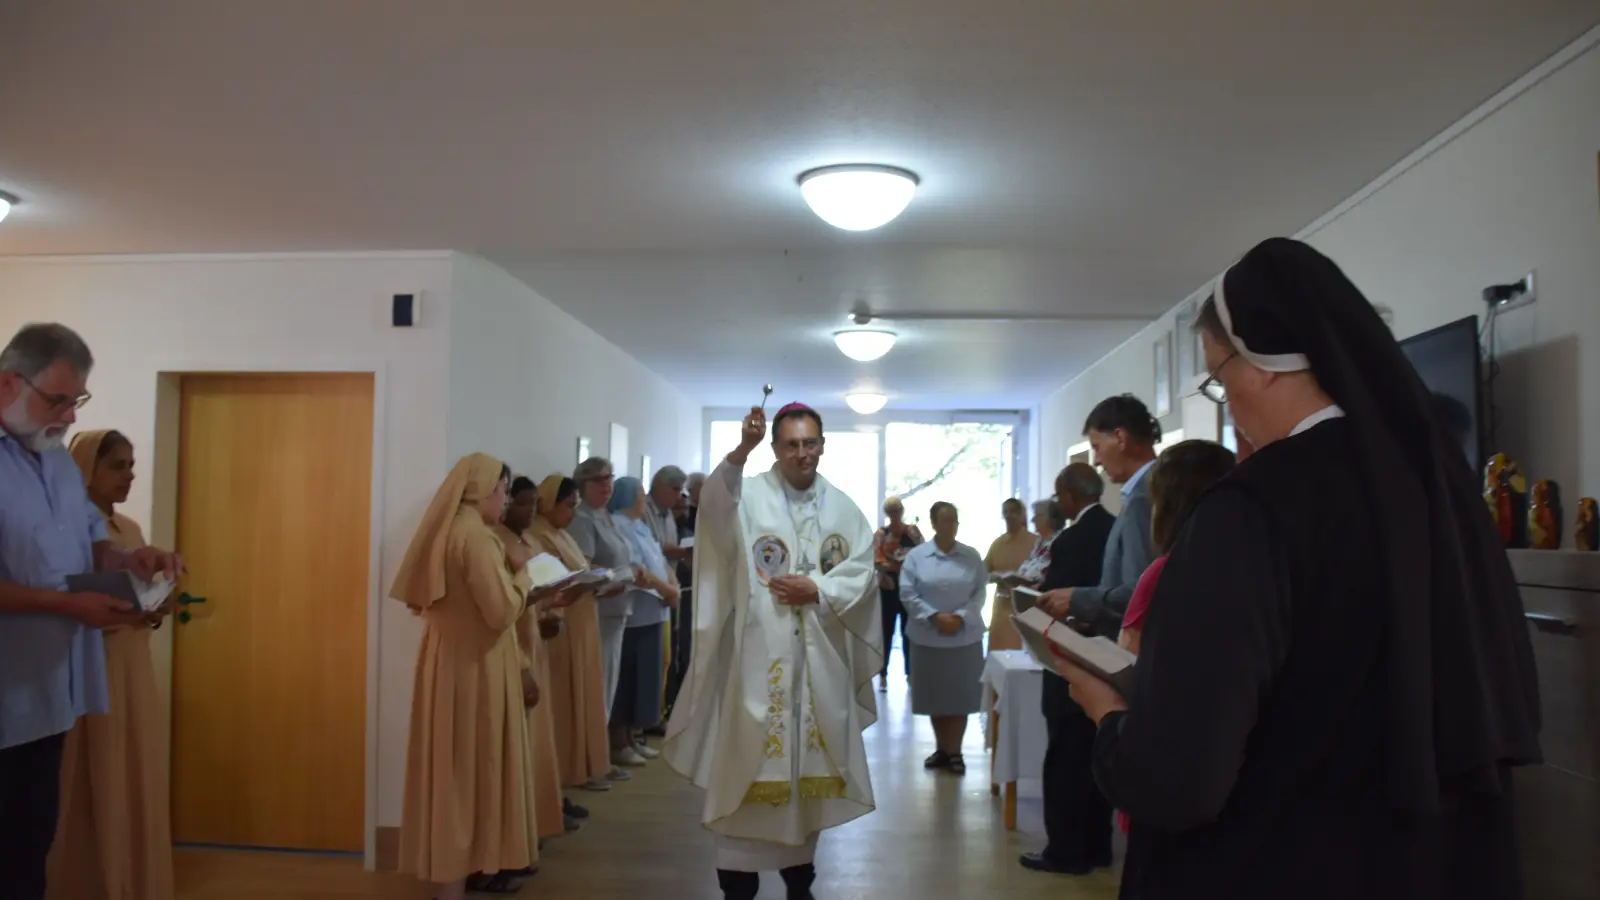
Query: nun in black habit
pixel 1335 676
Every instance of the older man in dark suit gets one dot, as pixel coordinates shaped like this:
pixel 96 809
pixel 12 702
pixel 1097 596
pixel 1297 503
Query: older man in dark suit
pixel 1100 561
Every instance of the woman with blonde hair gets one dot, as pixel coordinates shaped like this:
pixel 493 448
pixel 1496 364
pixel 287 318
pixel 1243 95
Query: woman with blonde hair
pixel 114 837
pixel 469 800
pixel 577 687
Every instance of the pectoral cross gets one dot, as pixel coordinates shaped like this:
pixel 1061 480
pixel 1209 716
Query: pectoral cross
pixel 805 567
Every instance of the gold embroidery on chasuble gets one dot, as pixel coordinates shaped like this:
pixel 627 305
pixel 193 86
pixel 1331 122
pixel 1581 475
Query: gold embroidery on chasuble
pixel 776 707
pixel 778 793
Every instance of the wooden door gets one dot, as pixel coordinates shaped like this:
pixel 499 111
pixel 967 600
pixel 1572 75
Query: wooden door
pixel 269 669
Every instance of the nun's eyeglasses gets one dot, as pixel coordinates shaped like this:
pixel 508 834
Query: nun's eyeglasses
pixel 1213 388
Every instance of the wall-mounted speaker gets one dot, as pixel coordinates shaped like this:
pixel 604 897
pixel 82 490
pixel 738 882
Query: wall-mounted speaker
pixel 407 310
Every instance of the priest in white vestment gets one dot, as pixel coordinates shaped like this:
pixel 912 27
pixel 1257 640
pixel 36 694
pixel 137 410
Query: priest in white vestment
pixel 787 641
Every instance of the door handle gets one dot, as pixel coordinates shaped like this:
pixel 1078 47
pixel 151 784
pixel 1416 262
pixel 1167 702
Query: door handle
pixel 1552 624
pixel 186 599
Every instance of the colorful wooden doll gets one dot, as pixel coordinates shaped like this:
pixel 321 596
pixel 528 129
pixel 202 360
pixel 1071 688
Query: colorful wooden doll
pixel 1544 516
pixel 1586 534
pixel 1505 491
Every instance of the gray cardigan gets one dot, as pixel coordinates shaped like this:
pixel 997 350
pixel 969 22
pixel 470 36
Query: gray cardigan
pixel 1129 551
pixel 597 536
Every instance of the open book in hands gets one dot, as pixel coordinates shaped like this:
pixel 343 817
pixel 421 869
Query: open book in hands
pixel 146 596
pixel 1100 657
pixel 547 571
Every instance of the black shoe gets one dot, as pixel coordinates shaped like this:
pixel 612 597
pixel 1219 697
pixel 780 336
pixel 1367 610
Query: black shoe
pixel 1038 862
pixel 798 880
pixel 574 810
pixel 939 760
pixel 738 885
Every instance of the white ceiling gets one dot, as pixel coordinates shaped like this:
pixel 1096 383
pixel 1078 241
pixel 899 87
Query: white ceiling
pixel 634 160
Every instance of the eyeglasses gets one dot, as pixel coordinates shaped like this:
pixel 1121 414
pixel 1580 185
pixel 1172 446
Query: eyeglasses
pixel 810 445
pixel 1212 388
pixel 57 402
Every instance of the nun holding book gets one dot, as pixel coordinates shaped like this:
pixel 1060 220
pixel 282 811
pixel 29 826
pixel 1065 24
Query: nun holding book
pixel 1335 680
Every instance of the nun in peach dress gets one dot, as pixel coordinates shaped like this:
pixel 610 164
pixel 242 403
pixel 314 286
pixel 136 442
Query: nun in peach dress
pixel 542 617
pixel 577 688
pixel 469 795
pixel 114 836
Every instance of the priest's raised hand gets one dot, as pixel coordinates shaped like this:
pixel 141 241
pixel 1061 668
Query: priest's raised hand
pixel 750 436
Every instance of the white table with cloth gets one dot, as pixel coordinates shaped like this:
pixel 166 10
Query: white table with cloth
pixel 1016 727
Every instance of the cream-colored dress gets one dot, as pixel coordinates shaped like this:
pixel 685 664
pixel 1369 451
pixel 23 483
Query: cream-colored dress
pixel 1005 555
pixel 469 800
pixel 577 688
pixel 546 765
pixel 114 837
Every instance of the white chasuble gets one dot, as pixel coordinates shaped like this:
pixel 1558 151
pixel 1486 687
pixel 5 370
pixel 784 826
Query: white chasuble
pixel 769 720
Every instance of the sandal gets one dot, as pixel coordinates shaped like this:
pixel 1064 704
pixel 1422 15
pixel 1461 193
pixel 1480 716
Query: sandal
pixel 499 883
pixel 957 765
pixel 938 760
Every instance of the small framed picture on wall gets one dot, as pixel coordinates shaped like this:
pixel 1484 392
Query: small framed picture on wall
pixel 1162 353
pixel 1187 344
pixel 619 449
pixel 583 450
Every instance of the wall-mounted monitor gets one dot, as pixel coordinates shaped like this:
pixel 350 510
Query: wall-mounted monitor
pixel 1448 361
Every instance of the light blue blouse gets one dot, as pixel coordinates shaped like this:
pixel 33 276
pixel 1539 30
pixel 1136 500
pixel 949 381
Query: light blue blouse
pixel 932 581
pixel 647 607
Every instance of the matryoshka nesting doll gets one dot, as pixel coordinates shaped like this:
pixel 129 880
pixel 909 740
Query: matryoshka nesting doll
pixel 1505 492
pixel 1586 533
pixel 1544 516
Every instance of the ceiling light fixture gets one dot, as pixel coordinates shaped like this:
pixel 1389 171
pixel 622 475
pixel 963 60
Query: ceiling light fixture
pixel 865 402
pixel 858 197
pixel 6 202
pixel 864 344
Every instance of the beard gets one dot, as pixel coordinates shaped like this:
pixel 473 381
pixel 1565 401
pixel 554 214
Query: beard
pixel 37 438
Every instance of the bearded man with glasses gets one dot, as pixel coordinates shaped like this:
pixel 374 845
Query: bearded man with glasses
pixel 52 662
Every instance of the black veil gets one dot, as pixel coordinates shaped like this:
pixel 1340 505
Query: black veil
pixel 1462 694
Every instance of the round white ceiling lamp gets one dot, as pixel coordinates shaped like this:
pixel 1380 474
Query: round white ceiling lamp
pixel 864 344
pixel 865 402
pixel 6 202
pixel 858 197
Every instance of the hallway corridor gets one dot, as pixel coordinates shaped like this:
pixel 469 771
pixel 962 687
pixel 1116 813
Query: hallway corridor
pixel 933 836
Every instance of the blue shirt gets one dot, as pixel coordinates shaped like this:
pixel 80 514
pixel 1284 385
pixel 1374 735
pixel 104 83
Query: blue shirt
pixel 1131 483
pixel 932 581
pixel 52 669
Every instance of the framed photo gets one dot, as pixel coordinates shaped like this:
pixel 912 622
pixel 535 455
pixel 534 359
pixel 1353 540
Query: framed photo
pixel 1163 375
pixel 619 449
pixel 646 469
pixel 583 450
pixel 1188 343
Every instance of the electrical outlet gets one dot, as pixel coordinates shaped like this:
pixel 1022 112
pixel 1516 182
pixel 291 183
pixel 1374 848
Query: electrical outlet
pixel 1529 295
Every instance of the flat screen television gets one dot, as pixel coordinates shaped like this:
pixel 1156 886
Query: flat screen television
pixel 1448 361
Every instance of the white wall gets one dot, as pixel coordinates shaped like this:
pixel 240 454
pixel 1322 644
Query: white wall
pixel 492 366
pixel 146 315
pixel 527 379
pixel 1515 191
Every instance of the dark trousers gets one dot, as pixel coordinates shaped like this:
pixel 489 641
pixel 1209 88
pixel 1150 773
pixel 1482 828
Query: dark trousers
pixel 30 801
pixel 682 646
pixel 892 608
pixel 745 885
pixel 1077 817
